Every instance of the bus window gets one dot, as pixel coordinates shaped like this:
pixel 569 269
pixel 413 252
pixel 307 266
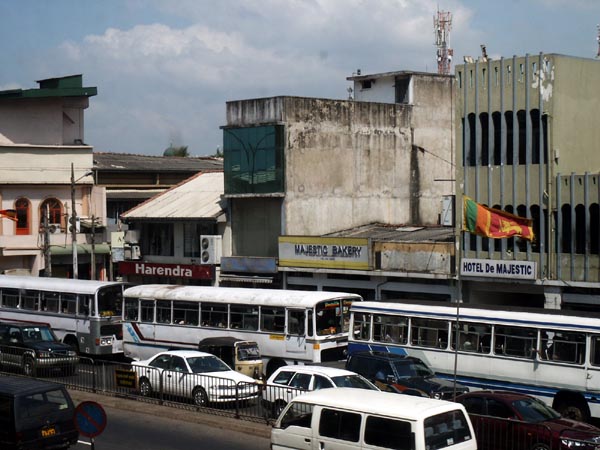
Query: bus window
pixel 163 312
pixel 85 305
pixel 30 300
pixel 562 346
pixel 50 301
pixel 213 315
pixel 185 313
pixel 244 317
pixel 10 298
pixel 595 354
pixel 390 328
pixel 272 319
pixel 68 303
pixel 295 322
pixel 362 327
pixel 147 311
pixel 429 333
pixel 515 341
pixel 131 309
pixel 472 337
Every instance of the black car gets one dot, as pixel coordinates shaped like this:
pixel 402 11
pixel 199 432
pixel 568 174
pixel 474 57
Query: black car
pixel 402 374
pixel 35 415
pixel 34 348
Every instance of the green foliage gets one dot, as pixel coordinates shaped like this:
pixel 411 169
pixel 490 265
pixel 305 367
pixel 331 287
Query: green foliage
pixel 177 151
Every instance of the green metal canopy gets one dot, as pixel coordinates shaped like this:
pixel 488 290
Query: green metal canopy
pixel 82 249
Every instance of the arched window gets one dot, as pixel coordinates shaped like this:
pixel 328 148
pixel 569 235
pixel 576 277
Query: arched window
pixel 22 206
pixel 51 208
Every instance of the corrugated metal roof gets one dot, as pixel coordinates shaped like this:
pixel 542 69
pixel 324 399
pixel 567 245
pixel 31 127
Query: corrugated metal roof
pixel 399 233
pixel 143 163
pixel 195 198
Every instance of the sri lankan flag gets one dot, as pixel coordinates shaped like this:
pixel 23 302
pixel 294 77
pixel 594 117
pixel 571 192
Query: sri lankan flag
pixel 494 223
pixel 8 214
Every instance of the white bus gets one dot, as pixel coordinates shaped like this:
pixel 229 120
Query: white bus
pixel 84 314
pixel 290 327
pixel 553 355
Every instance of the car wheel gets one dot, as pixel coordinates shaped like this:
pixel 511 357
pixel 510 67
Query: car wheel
pixel 539 446
pixel 199 396
pixel 278 407
pixel 145 387
pixel 29 367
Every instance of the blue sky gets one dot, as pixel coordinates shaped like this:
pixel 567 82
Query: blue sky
pixel 164 69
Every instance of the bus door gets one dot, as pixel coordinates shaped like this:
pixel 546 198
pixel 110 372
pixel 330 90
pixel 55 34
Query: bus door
pixel 295 330
pixel 592 368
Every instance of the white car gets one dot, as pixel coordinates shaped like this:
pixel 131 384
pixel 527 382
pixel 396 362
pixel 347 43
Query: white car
pixel 197 375
pixel 290 381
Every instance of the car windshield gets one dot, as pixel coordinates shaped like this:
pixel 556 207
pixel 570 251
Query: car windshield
pixel 38 334
pixel 353 381
pixel 202 364
pixel 534 410
pixel 408 369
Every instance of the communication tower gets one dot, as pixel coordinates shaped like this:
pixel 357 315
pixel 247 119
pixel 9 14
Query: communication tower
pixel 598 39
pixel 442 24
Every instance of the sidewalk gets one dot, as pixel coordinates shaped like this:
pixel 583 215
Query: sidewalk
pixel 126 404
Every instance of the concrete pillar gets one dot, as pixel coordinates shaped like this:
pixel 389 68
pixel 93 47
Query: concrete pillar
pixel 553 298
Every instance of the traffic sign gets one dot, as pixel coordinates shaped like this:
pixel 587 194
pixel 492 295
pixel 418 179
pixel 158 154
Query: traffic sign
pixel 90 419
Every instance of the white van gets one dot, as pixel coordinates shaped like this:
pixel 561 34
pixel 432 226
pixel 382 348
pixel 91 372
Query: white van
pixel 343 419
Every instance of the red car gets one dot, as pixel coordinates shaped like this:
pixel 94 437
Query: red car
pixel 512 421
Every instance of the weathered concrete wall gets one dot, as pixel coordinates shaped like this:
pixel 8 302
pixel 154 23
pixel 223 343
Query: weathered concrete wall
pixel 415 257
pixel 349 163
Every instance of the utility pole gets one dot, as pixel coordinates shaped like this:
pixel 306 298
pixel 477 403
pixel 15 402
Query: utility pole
pixel 93 255
pixel 47 255
pixel 73 228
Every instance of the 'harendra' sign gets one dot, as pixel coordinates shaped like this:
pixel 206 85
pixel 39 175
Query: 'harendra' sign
pixel 324 252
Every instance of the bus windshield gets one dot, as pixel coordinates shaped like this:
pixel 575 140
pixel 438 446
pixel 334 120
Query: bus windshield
pixel 332 318
pixel 109 301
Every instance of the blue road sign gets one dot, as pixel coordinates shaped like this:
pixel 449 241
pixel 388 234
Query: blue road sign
pixel 90 419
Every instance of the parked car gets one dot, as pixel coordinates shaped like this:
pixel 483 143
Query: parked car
pixel 402 374
pixel 32 348
pixel 289 381
pixel 242 356
pixel 502 417
pixel 35 414
pixel 195 375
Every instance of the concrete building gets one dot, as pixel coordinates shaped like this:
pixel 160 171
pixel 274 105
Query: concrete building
pixel 41 140
pixel 344 194
pixel 527 136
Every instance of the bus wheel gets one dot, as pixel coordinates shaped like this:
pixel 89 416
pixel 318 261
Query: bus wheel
pixel 145 387
pixel 575 410
pixel 200 397
pixel 29 367
pixel 71 341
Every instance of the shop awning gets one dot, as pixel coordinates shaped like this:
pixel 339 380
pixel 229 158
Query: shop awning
pixel 246 279
pixel 82 249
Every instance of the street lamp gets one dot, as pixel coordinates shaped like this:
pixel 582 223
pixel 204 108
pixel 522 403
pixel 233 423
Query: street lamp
pixel 73 220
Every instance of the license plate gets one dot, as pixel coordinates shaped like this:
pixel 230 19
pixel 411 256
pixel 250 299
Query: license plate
pixel 48 431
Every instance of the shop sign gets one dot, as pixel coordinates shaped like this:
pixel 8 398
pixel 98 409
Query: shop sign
pixel 324 252
pixel 166 270
pixel 493 268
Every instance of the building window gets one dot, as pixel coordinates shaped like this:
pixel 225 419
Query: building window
pixel 253 160
pixel 191 237
pixel 366 84
pixel 158 239
pixel 52 209
pixel 22 206
pixel 403 90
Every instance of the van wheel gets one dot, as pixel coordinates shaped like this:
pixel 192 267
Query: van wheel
pixel 199 396
pixel 29 367
pixel 145 387
pixel 278 407
pixel 539 446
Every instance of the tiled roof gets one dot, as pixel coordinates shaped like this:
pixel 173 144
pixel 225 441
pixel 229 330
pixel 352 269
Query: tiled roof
pixel 399 233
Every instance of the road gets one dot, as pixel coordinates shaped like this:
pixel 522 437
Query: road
pixel 129 429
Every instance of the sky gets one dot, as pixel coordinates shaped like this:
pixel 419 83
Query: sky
pixel 165 69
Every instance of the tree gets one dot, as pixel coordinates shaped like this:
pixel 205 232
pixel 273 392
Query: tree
pixel 177 151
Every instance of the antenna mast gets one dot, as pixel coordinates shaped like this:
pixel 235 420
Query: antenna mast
pixel 598 39
pixel 442 24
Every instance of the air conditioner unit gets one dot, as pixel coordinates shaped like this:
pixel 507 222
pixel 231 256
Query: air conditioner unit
pixel 210 249
pixel 54 228
pixel 136 252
